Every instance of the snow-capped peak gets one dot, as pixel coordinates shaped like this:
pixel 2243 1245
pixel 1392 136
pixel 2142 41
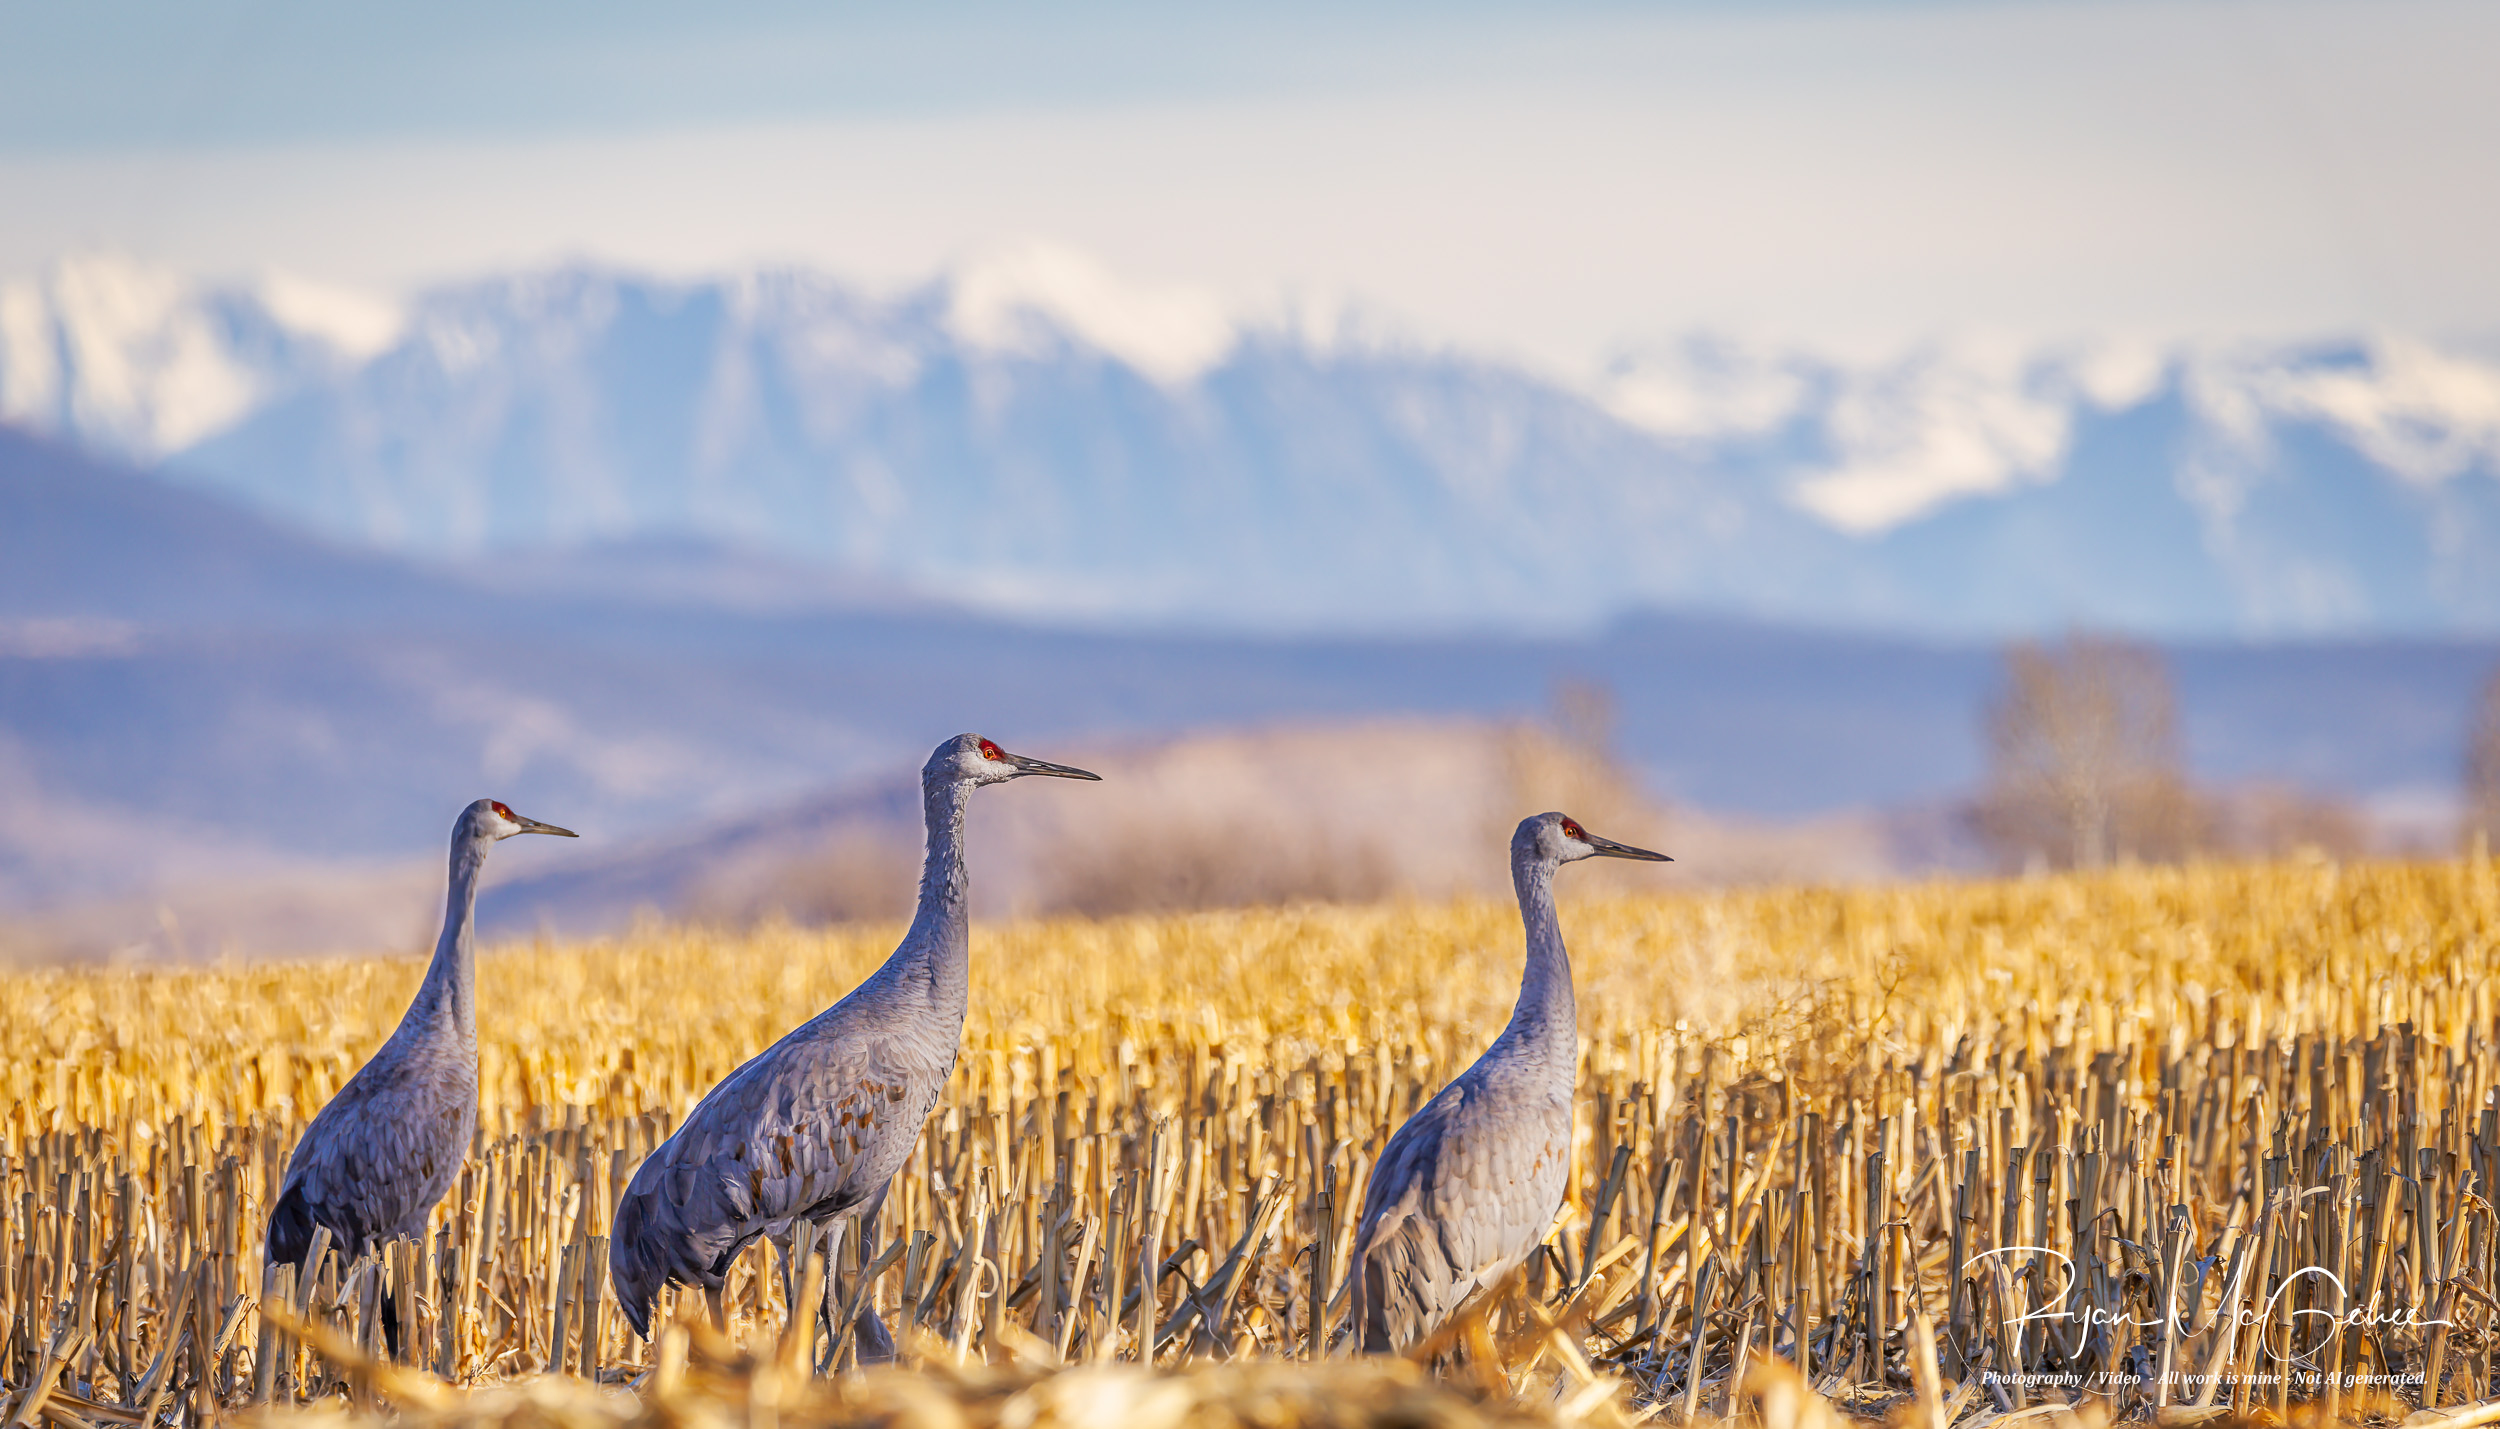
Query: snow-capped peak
pixel 141 360
pixel 356 323
pixel 2425 415
pixel 2249 486
pixel 1170 332
pixel 1898 436
pixel 122 353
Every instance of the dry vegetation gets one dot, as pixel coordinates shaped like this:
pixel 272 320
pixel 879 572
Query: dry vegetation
pixel 1804 1113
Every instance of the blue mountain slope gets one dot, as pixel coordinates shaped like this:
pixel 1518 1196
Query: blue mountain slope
pixel 79 537
pixel 1296 486
pixel 1284 488
pixel 2110 544
pixel 2408 556
pixel 997 449
pixel 167 655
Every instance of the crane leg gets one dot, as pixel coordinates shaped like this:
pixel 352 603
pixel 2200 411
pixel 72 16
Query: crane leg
pixel 876 1343
pixel 827 1242
pixel 786 1251
pixel 720 1312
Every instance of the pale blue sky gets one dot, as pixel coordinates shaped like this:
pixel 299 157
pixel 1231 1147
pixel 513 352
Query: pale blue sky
pixel 117 74
pixel 1556 181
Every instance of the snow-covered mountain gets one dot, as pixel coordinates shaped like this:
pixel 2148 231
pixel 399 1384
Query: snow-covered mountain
pixel 138 362
pixel 1036 438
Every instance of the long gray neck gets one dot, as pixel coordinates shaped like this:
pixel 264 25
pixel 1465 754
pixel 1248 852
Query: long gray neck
pixel 935 955
pixel 447 1000
pixel 1546 1015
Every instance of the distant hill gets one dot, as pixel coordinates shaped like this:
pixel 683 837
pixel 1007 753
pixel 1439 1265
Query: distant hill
pixel 190 690
pixel 92 541
pixel 990 442
pixel 1359 810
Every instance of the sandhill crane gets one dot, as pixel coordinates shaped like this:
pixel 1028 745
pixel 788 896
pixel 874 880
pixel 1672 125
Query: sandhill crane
pixel 377 1158
pixel 815 1126
pixel 1470 1184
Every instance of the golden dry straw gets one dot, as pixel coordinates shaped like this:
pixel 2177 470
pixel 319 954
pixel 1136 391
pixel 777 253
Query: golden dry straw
pixel 1946 1151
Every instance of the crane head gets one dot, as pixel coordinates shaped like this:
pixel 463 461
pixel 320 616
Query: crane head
pixel 1560 839
pixel 974 760
pixel 493 819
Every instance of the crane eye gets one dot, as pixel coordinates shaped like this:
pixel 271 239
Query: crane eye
pixel 1573 829
pixel 499 807
pixel 992 751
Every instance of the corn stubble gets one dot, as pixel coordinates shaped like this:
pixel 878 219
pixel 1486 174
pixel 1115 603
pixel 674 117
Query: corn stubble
pixel 1834 1146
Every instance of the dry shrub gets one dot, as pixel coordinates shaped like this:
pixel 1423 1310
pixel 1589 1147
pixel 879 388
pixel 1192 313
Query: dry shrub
pixel 1186 862
pixel 857 874
pixel 2275 821
pixel 1327 828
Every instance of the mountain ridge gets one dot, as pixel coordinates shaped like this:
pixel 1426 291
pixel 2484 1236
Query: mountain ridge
pixel 192 695
pixel 1040 443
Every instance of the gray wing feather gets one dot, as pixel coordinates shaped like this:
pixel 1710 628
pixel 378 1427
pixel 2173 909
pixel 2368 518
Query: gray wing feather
pixel 812 1127
pixel 376 1159
pixel 1463 1192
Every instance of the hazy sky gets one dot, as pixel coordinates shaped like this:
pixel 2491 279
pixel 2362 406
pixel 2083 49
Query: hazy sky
pixel 1557 181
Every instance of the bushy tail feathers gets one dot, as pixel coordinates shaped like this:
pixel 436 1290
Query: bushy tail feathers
pixel 634 1274
pixel 1393 1306
pixel 1371 1309
pixel 290 1242
pixel 290 1229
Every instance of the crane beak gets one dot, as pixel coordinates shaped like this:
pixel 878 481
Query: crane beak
pixel 1608 848
pixel 532 826
pixel 1024 766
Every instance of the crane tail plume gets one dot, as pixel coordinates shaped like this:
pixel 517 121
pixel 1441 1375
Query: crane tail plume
pixel 290 1229
pixel 635 1279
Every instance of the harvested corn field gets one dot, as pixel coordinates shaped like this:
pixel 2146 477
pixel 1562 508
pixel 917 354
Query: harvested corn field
pixel 1948 1146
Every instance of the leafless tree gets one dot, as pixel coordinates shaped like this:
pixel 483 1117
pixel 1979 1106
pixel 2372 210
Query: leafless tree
pixel 1583 717
pixel 2482 769
pixel 1567 762
pixel 2084 763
